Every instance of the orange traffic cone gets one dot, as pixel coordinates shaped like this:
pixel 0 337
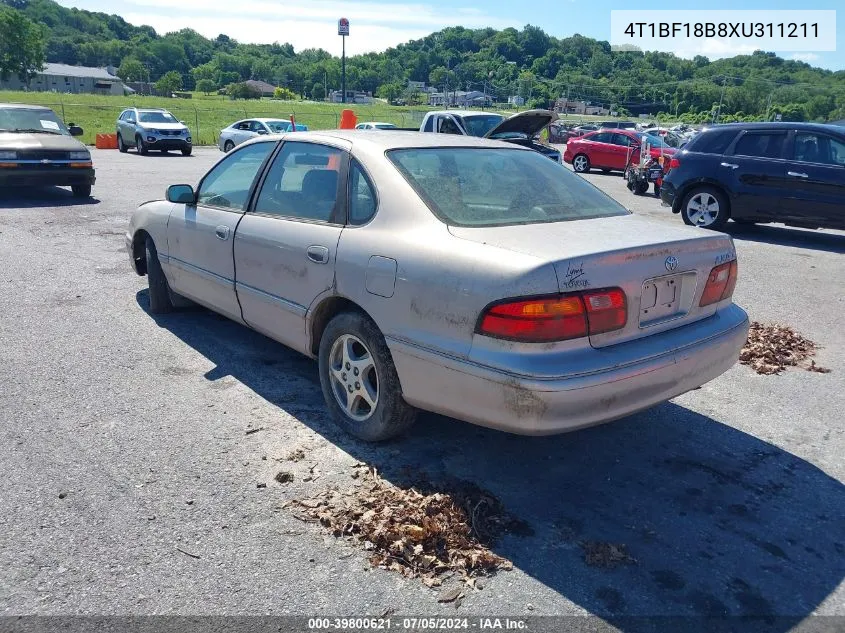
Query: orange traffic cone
pixel 348 120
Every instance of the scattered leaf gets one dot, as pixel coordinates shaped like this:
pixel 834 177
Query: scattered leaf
pixel 284 477
pixel 449 595
pixel 770 349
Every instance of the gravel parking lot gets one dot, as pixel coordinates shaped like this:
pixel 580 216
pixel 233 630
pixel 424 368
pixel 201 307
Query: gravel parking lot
pixel 138 453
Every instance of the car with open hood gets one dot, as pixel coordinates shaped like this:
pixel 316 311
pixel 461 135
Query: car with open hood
pixel 522 128
pixel 37 149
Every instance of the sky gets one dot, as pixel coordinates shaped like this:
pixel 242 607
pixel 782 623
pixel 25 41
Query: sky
pixel 379 24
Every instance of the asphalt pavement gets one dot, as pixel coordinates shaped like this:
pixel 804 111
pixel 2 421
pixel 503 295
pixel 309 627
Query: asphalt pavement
pixel 138 452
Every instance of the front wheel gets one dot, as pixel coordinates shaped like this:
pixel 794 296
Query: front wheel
pixel 141 146
pixel 706 207
pixel 81 191
pixel 186 151
pixel 121 146
pixel 359 380
pixel 160 297
pixel 581 164
pixel 228 146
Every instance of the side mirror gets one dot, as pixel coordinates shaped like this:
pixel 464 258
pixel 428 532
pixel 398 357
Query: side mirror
pixel 262 131
pixel 75 130
pixel 181 194
pixel 183 123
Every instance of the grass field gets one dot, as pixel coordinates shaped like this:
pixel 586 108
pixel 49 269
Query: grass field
pixel 207 115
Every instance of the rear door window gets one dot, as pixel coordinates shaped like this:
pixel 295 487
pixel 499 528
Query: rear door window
pixel 602 137
pixel 760 144
pixel 712 142
pixel 811 147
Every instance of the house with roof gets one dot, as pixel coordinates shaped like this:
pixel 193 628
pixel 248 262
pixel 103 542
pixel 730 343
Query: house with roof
pixel 266 90
pixel 67 78
pixel 460 98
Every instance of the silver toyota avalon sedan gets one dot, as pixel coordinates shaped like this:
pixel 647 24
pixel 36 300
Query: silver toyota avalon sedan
pixel 465 276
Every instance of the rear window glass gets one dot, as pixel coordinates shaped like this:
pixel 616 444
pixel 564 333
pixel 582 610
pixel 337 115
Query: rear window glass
pixel 500 187
pixel 761 145
pixel 712 141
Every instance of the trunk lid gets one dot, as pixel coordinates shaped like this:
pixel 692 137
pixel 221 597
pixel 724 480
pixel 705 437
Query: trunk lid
pixel 661 268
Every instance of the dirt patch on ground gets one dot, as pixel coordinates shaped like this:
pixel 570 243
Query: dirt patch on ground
pixel 770 349
pixel 422 530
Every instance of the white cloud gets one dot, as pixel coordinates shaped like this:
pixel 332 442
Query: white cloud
pixel 805 57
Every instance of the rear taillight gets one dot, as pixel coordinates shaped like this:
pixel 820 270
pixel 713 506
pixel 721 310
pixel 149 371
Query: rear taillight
pixel 674 163
pixel 556 317
pixel 720 284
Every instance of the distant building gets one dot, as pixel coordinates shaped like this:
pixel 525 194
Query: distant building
pixel 516 100
pixel 74 79
pixel 460 98
pixel 352 96
pixel 266 90
pixel 566 106
pixel 419 86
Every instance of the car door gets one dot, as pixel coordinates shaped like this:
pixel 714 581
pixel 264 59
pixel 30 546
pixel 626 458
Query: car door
pixel 243 132
pixel 620 152
pixel 600 149
pixel 258 129
pixel 127 127
pixel 200 235
pixel 285 246
pixel 754 170
pixel 815 171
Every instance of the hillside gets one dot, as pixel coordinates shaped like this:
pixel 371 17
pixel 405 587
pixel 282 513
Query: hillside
pixel 527 62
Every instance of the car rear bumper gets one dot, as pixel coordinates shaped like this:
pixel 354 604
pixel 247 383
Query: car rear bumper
pixel 531 406
pixel 48 176
pixel 668 194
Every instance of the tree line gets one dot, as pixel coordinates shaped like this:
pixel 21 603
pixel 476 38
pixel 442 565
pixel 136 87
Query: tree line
pixel 525 62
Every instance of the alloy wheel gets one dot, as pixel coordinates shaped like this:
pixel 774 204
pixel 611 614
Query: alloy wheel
pixel 580 163
pixel 353 377
pixel 703 209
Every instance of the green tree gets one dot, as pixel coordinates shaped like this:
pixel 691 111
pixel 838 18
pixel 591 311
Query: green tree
pixel 391 91
pixel 169 83
pixel 132 69
pixel 242 90
pixel 22 45
pixel 285 94
pixel 206 86
pixel 318 91
pixel 204 71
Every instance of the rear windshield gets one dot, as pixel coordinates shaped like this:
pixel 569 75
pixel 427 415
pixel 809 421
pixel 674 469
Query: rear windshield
pixel 499 187
pixel 711 141
pixel 480 124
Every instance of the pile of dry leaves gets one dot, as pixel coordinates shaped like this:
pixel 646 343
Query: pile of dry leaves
pixel 772 348
pixel 418 531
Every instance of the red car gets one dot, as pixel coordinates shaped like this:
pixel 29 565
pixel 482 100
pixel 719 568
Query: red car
pixel 610 150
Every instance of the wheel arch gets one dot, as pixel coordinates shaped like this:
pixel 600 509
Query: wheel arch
pixel 323 312
pixel 139 251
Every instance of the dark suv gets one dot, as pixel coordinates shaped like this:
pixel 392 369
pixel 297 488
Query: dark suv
pixel 793 173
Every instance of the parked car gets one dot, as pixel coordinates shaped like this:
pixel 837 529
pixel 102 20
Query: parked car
pixel 247 129
pixel 521 129
pixel 154 129
pixel 470 277
pixel 375 125
pixel 560 132
pixel 585 128
pixel 37 149
pixel 618 125
pixel 792 173
pixel 610 150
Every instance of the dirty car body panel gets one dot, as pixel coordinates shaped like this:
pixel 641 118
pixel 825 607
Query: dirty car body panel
pixel 438 250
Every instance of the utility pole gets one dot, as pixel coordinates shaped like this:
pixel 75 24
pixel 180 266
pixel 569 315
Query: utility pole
pixel 343 31
pixel 721 97
pixel 769 106
pixel 325 86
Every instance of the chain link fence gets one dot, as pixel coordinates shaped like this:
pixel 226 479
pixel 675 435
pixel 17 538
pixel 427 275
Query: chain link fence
pixel 205 123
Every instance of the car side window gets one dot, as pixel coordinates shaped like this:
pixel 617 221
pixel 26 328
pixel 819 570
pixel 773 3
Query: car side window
pixel 761 144
pixel 257 126
pixel 228 184
pixel 302 183
pixel 621 139
pixel 130 117
pixel 244 125
pixel 602 137
pixel 811 147
pixel 429 124
pixel 362 197
pixel 447 125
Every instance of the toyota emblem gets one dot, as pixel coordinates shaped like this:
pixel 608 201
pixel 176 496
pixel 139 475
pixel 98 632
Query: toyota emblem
pixel 671 263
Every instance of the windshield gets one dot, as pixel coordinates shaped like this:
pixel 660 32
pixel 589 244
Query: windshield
pixel 654 140
pixel 480 124
pixel 499 187
pixel 385 126
pixel 31 120
pixel 278 126
pixel 156 117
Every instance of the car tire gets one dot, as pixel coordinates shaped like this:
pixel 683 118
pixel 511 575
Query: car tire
pixel 121 146
pixel 656 190
pixel 351 338
pixel 141 146
pixel 228 146
pixel 716 213
pixel 604 170
pixel 581 164
pixel 81 191
pixel 161 301
pixel 186 151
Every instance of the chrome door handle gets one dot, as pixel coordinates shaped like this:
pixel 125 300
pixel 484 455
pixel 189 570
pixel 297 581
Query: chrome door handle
pixel 318 254
pixel 731 165
pixel 797 174
pixel 222 232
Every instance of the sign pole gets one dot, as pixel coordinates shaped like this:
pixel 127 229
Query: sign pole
pixel 343 70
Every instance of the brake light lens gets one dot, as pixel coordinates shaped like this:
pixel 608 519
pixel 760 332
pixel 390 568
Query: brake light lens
pixel 556 317
pixel 674 163
pixel 720 284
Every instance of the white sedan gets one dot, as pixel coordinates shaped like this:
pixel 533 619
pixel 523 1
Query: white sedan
pixel 248 129
pixel 375 125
